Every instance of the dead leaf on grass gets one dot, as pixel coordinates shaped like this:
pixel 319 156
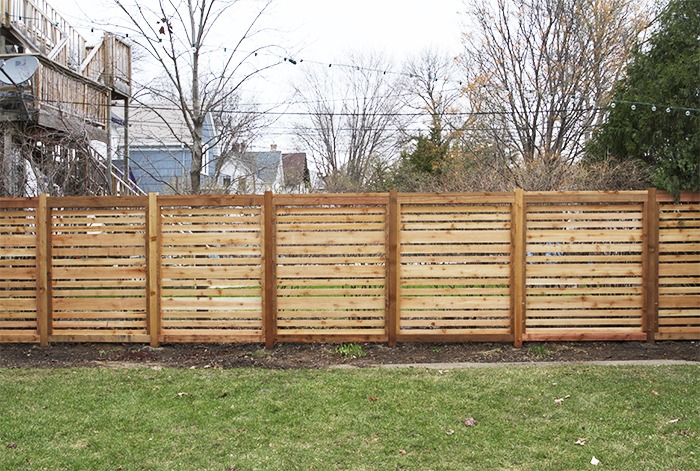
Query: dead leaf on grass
pixel 673 421
pixel 223 394
pixel 373 399
pixel 581 441
pixel 560 401
pixel 403 452
pixel 449 431
pixel 470 422
pixel 11 446
pixel 655 393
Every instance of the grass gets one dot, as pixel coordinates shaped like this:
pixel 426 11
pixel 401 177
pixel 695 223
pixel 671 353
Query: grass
pixel 527 418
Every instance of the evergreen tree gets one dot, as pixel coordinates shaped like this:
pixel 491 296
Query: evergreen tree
pixel 656 117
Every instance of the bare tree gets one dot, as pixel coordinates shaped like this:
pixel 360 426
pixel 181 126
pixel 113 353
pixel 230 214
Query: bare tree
pixel 434 93
pixel 176 35
pixel 539 72
pixel 351 122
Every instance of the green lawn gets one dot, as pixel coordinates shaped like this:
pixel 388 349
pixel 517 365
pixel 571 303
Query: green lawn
pixel 375 419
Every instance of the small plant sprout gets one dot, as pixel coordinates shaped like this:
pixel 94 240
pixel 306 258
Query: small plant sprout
pixel 350 350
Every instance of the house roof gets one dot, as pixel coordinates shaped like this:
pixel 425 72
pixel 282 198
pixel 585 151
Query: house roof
pixel 159 125
pixel 262 165
pixel 294 169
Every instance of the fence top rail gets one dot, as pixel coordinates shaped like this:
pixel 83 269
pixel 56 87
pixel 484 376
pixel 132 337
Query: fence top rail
pixel 585 196
pixel 97 201
pixel 331 198
pixel 685 197
pixel 456 198
pixel 19 203
pixel 210 200
pixel 531 197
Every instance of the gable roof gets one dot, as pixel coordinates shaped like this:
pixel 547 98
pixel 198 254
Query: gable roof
pixel 262 165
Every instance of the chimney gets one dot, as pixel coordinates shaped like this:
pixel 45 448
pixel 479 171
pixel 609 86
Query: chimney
pixel 273 147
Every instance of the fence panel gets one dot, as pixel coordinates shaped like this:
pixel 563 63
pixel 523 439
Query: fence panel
pixel 18 271
pixel 331 268
pixel 98 267
pixel 584 276
pixel 679 270
pixel 454 268
pixel 211 269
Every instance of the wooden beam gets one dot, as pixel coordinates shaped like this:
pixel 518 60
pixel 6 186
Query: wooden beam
pixel 517 267
pixel 42 270
pixel 650 265
pixel 269 279
pixel 153 279
pixel 393 267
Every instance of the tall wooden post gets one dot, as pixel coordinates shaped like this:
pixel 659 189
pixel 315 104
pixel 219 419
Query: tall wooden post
pixel 269 272
pixel 518 255
pixel 650 265
pixel 153 282
pixel 42 268
pixel 393 267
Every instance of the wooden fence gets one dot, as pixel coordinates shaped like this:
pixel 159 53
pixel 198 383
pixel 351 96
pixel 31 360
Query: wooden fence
pixel 510 267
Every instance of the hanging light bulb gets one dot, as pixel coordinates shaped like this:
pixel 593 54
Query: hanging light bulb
pixel 668 110
pixel 653 107
pixel 634 107
pixel 613 105
pixel 687 112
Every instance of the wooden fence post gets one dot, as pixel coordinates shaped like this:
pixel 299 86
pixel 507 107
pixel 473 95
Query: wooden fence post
pixel 650 265
pixel 269 272
pixel 393 268
pixel 518 255
pixel 42 266
pixel 153 282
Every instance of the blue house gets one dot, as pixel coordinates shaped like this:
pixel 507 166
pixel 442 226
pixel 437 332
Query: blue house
pixel 159 154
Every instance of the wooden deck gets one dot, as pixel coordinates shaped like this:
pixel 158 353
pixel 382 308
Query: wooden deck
pixel 75 82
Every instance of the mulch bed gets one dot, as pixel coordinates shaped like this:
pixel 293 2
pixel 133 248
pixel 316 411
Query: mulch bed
pixel 321 355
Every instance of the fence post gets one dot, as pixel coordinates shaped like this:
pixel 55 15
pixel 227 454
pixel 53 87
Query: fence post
pixel 517 278
pixel 650 265
pixel 393 267
pixel 269 272
pixel 42 268
pixel 153 282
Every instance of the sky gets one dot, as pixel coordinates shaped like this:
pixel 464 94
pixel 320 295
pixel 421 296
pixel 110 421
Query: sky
pixel 318 31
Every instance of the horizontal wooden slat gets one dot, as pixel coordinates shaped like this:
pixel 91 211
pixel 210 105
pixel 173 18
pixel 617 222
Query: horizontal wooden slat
pixel 330 303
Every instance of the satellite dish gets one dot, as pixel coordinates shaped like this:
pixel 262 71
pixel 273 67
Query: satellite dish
pixel 15 70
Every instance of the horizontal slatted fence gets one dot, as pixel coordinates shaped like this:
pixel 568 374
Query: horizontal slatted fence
pixel 584 267
pixel 679 270
pixel 363 267
pixel 18 271
pixel 455 255
pixel 98 269
pixel 211 269
pixel 331 268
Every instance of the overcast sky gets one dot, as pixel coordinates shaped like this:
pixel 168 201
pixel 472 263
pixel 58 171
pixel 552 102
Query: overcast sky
pixel 319 31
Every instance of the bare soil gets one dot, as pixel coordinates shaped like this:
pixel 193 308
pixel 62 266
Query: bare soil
pixel 322 355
